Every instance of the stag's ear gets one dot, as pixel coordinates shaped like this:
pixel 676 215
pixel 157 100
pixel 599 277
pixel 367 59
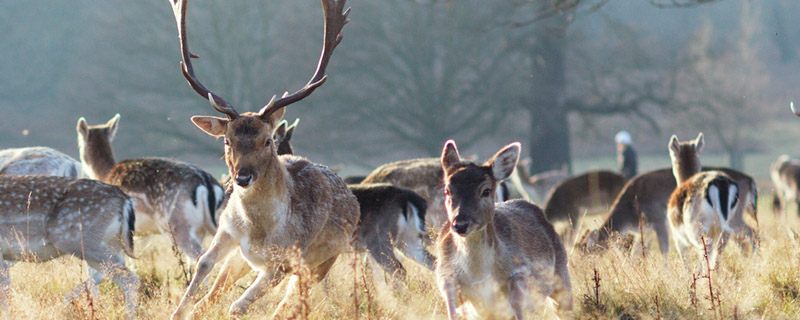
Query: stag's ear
pixel 450 154
pixel 674 146
pixel 504 161
pixel 273 118
pixel 112 126
pixel 82 128
pixel 213 126
pixel 698 143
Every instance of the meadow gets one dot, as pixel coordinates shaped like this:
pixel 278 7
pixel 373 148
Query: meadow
pixel 614 284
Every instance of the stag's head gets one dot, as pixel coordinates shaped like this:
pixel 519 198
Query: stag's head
pixel 249 145
pixel 470 188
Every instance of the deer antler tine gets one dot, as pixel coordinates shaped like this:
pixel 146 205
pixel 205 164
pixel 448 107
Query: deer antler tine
pixel 219 104
pixel 335 17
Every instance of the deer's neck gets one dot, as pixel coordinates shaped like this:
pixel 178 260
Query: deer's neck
pixel 267 202
pixel 97 160
pixel 478 246
pixel 684 168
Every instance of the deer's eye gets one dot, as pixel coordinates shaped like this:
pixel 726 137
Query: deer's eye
pixel 268 143
pixel 486 192
pixel 226 142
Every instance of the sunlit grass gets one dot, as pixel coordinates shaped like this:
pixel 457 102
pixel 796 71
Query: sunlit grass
pixel 748 286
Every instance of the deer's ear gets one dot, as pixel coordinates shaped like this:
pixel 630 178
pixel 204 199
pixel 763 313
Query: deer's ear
pixel 674 146
pixel 504 161
pixel 450 154
pixel 112 126
pixel 699 143
pixel 213 126
pixel 290 129
pixel 82 128
pixel 280 131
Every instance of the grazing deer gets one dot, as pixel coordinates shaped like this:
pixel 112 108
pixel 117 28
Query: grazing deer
pixel 785 176
pixel 700 205
pixel 496 255
pixel 44 217
pixel 575 195
pixel 38 161
pixel 646 197
pixel 279 204
pixel 172 197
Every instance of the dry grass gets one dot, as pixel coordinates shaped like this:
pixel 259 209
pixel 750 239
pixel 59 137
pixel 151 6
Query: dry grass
pixel 626 286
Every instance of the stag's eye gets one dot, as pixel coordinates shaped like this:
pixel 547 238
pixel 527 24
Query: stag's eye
pixel 486 192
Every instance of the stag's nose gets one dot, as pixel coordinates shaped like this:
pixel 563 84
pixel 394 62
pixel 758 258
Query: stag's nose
pixel 460 227
pixel 244 177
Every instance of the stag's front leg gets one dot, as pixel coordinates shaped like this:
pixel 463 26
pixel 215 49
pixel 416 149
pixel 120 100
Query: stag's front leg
pixel 234 268
pixel 221 246
pixel 265 280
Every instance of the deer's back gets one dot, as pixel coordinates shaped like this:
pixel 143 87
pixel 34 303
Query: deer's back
pixel 591 189
pixel 424 177
pixel 157 179
pixel 327 212
pixel 39 161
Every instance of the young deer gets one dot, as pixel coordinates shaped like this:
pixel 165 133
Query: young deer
pixel 38 161
pixel 496 255
pixel 700 205
pixel 44 217
pixel 279 204
pixel 172 197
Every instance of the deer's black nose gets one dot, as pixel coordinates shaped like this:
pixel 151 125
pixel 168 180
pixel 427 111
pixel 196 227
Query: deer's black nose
pixel 244 177
pixel 460 227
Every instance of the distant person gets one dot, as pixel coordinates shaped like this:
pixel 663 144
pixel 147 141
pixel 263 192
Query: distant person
pixel 626 156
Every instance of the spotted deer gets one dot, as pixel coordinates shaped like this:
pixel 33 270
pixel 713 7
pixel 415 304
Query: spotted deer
pixel 699 208
pixel 279 204
pixel 45 217
pixel 174 198
pixel 38 161
pixel 504 258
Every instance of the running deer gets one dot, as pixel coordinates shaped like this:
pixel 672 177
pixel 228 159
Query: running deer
pixel 38 161
pixel 785 176
pixel 699 208
pixel 279 204
pixel 44 217
pixel 172 197
pixel 504 258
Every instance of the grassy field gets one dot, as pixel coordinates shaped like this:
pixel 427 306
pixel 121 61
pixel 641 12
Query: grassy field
pixel 629 286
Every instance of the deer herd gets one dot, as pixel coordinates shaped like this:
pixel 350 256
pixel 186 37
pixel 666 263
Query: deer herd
pixel 279 212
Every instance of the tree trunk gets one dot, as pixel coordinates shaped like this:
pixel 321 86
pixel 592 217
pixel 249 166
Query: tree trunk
pixel 549 140
pixel 736 159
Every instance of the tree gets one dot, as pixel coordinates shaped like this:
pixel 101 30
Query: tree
pixel 723 86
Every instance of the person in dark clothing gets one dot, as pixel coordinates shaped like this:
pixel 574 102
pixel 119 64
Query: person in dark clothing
pixel 626 156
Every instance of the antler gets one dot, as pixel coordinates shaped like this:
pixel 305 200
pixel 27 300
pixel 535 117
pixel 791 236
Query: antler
pixel 179 10
pixel 335 17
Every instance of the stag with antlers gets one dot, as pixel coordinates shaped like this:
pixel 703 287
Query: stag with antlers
pixel 278 203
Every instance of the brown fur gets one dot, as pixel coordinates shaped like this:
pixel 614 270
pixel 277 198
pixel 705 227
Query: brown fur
pixel 573 196
pixel 496 255
pixel 785 176
pixel 167 192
